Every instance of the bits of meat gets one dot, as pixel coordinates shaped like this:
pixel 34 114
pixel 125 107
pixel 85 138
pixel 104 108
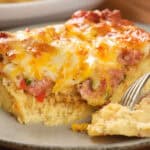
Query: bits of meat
pixel 116 77
pixel 87 92
pixel 36 88
pixel 89 15
pixel 98 16
pixel 3 35
pixel 129 57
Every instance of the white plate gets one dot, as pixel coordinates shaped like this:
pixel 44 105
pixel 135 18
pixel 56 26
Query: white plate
pixel 15 135
pixel 41 10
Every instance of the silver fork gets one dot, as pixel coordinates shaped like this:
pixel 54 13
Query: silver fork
pixel 131 96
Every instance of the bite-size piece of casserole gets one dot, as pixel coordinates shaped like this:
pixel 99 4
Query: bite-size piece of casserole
pixel 60 73
pixel 114 119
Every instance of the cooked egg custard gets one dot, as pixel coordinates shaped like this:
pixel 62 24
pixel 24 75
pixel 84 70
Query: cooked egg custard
pixel 69 69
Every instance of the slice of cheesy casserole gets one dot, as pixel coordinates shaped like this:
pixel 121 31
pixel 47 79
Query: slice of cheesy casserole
pixel 59 73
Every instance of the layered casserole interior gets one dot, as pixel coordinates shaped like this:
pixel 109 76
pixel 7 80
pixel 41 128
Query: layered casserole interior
pixel 61 73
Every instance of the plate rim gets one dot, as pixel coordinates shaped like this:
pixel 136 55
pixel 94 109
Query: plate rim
pixel 142 142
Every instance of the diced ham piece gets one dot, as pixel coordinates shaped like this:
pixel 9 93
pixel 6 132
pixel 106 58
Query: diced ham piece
pixel 87 92
pixel 37 88
pixel 116 76
pixel 129 57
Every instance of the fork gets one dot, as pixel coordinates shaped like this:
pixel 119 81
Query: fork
pixel 131 96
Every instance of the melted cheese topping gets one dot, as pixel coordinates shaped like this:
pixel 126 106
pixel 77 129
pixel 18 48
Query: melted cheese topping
pixel 69 54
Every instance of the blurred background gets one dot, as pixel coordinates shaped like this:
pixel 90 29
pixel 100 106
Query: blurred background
pixel 136 10
pixel 25 12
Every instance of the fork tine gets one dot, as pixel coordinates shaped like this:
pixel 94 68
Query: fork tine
pixel 134 89
pixel 128 96
pixel 137 92
pixel 130 93
pixel 124 97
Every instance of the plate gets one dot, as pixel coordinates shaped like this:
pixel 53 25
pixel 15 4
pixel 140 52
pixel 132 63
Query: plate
pixel 41 10
pixel 38 136
pixel 15 135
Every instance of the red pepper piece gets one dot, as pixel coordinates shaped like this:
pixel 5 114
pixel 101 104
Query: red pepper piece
pixel 40 97
pixel 23 84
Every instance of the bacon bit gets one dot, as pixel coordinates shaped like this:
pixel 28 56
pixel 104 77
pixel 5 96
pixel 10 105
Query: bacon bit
pixel 38 47
pixel 89 15
pixel 92 16
pixel 114 15
pixel 139 34
pixel 79 17
pixel 4 35
pixel 129 57
pixel 95 16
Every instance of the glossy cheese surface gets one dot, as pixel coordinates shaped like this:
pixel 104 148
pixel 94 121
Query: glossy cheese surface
pixel 92 45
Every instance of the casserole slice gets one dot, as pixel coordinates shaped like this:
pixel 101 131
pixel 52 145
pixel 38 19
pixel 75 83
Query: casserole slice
pixel 60 73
